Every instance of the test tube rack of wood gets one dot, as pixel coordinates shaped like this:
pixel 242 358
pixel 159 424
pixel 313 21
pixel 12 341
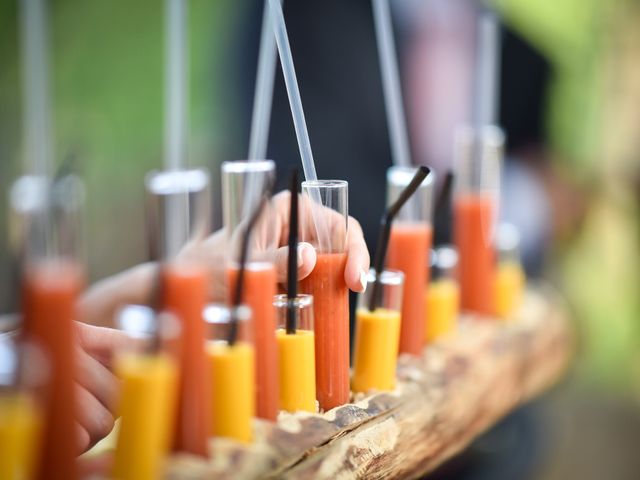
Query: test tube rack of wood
pixel 460 387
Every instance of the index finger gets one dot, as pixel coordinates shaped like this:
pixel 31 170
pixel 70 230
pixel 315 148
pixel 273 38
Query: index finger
pixel 355 272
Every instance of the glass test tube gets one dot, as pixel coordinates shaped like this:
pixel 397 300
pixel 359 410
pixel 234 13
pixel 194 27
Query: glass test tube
pixel 47 215
pixel 296 354
pixel 377 334
pixel 442 298
pixel 179 217
pixel 178 210
pixel 147 401
pixel 232 372
pixel 409 244
pixel 324 225
pixel 510 278
pixel 243 183
pixel 478 158
pixel 22 373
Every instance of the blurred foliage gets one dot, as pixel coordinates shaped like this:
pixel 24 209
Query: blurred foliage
pixel 593 125
pixel 107 102
pixel 569 33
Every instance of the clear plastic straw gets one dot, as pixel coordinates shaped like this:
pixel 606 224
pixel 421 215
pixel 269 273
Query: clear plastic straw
pixel 175 121
pixel 262 102
pixel 263 96
pixel 391 83
pixel 295 101
pixel 487 78
pixel 33 189
pixel 175 83
pixel 37 128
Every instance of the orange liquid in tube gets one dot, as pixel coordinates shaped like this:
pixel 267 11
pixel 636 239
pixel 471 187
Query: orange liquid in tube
pixel 474 215
pixel 184 295
pixel 50 290
pixel 258 292
pixel 331 316
pixel 409 246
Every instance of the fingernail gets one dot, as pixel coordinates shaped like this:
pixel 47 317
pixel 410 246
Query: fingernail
pixel 363 281
pixel 300 249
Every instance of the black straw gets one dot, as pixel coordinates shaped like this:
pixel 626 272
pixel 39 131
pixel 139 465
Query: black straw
pixel 155 302
pixel 244 252
pixel 442 215
pixel 292 260
pixel 385 230
pixel 444 199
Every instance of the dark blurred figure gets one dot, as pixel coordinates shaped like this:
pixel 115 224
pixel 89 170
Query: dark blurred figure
pixel 334 50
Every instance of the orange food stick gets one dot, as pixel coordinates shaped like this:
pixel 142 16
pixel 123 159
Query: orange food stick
pixel 49 293
pixel 259 290
pixel 331 315
pixel 474 215
pixel 409 246
pixel 184 295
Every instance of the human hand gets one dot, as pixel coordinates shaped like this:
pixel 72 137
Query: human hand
pixel 100 303
pixel 97 388
pixel 215 249
pixel 355 274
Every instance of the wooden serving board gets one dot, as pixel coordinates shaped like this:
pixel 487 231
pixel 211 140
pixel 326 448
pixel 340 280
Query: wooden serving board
pixel 460 387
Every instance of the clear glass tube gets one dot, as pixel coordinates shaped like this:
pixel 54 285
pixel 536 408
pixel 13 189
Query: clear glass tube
pixel 444 262
pixel 327 286
pixel 442 296
pixel 409 245
pixel 47 217
pixel 23 372
pixel 178 210
pixel 331 215
pixel 510 278
pixel 392 288
pixel 217 318
pixel 243 183
pixel 23 365
pixel 377 335
pixel 232 372
pixel 296 354
pixel 148 391
pixel 478 158
pixel 9 325
pixel 508 243
pixel 419 208
pixel 148 332
pixel 302 306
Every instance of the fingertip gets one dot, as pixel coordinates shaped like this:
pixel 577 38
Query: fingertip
pixel 306 259
pixel 83 439
pixel 281 263
pixel 362 281
pixel 355 274
pixel 356 279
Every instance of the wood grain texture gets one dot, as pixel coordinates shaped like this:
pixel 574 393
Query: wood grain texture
pixel 461 386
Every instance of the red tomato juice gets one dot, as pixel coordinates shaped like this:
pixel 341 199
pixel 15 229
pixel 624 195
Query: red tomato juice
pixel 408 252
pixel 331 318
pixel 184 295
pixel 259 290
pixel 473 219
pixel 50 290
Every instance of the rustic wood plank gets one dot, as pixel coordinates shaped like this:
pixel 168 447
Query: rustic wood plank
pixel 460 387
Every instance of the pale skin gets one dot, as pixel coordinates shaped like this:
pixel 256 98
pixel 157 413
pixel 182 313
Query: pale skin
pixel 97 387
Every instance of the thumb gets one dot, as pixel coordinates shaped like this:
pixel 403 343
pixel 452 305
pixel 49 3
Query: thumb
pixel 306 261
